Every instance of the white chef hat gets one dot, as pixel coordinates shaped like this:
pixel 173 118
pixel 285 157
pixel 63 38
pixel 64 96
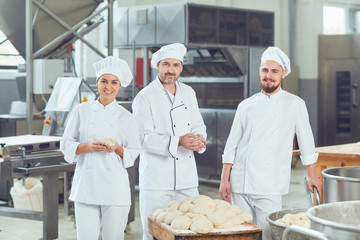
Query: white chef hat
pixel 275 54
pixel 116 66
pixel 174 50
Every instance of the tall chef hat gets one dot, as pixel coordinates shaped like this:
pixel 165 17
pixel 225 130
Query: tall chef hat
pixel 174 50
pixel 116 66
pixel 275 54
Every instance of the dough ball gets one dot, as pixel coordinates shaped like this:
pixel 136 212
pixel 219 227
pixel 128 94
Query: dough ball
pixel 181 222
pixel 185 207
pixel 171 215
pixel 200 210
pixel 161 216
pixel 109 141
pixel 231 222
pixel 299 219
pixel 301 216
pixel 230 214
pixel 217 218
pixel 202 226
pixel 221 205
pixel 235 209
pixel 247 216
pixel 173 205
pixel 206 204
pixel 198 218
pixel 288 217
pixel 192 215
pixel 157 212
pixel 201 198
pixel 186 200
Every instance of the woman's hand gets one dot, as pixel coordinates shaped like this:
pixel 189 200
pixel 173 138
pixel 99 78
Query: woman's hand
pixel 90 147
pixel 109 148
pixel 97 146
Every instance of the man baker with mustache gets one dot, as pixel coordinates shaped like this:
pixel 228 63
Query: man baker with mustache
pixel 258 152
pixel 171 129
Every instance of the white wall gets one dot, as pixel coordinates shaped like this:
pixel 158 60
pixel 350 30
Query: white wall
pixel 308 24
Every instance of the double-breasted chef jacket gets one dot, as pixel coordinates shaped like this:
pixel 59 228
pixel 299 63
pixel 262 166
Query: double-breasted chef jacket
pixel 260 143
pixel 162 118
pixel 100 177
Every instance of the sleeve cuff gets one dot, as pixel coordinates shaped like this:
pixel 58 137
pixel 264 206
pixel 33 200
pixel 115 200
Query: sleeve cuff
pixel 309 159
pixel 227 159
pixel 173 145
pixel 202 150
pixel 71 156
pixel 127 159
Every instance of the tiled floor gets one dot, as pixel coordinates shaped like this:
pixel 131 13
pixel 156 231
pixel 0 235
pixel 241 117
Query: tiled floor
pixel 20 229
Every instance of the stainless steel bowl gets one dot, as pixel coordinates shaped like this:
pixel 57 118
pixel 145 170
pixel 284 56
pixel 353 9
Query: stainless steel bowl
pixel 341 184
pixel 277 229
pixel 340 220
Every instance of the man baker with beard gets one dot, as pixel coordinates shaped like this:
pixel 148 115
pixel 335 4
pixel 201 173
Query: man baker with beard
pixel 171 129
pixel 258 152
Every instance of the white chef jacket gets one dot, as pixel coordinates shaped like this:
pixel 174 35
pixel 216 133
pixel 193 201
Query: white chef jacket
pixel 260 143
pixel 161 121
pixel 100 177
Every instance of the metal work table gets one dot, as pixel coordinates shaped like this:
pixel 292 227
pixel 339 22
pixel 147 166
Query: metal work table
pixel 35 155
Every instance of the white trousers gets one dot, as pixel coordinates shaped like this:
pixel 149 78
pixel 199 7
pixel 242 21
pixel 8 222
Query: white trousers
pixel 260 206
pixel 152 200
pixel 89 218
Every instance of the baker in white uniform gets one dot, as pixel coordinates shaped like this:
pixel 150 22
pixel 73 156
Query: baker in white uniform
pixel 258 152
pixel 100 188
pixel 171 128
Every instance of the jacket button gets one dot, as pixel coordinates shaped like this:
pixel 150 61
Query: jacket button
pixel 177 158
pixel 189 156
pixel 174 126
pixel 188 124
pixel 185 107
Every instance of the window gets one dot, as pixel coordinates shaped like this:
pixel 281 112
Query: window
pixel 356 20
pixel 340 20
pixel 9 56
pixel 334 20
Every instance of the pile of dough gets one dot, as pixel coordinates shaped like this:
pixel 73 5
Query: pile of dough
pixel 299 219
pixel 201 214
pixel 109 141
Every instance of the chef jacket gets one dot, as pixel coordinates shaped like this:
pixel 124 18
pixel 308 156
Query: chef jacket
pixel 162 118
pixel 101 178
pixel 260 143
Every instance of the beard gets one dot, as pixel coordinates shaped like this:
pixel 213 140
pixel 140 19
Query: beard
pixel 270 89
pixel 164 78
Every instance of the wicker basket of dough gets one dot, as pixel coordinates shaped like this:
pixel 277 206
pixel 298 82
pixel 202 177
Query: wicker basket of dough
pixel 201 214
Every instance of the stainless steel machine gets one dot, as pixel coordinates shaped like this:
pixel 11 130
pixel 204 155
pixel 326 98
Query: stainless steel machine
pixel 35 155
pixel 221 65
pixel 339 70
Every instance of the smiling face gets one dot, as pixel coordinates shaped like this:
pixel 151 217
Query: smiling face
pixel 271 74
pixel 108 86
pixel 169 70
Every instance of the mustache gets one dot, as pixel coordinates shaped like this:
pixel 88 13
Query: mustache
pixel 169 74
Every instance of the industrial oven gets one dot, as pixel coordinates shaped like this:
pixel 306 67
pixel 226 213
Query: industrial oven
pixel 339 72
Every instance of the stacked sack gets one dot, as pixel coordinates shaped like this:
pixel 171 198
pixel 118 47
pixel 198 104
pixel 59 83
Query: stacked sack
pixel 201 214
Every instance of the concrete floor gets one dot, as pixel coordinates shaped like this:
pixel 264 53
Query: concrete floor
pixel 15 229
